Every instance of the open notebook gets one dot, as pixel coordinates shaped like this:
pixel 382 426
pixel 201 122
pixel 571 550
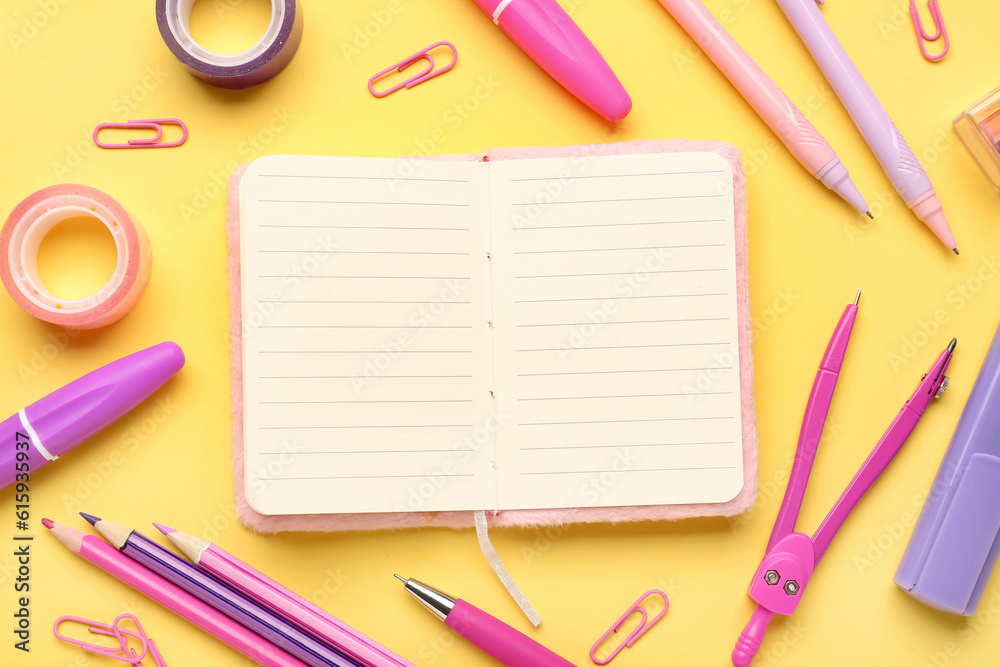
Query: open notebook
pixel 501 335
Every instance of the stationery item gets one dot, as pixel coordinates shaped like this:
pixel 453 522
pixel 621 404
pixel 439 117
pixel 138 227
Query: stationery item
pixel 144 142
pixel 262 61
pixel 22 236
pixel 429 71
pixel 644 625
pixel 55 424
pixel 955 544
pixel 547 34
pixel 122 652
pixel 979 129
pixel 497 639
pixel 170 596
pixel 771 104
pixel 891 150
pixel 609 376
pixel 923 37
pixel 274 597
pixel 791 556
pixel 220 597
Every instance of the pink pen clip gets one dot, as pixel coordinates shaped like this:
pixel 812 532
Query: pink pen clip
pixel 644 625
pixel 428 73
pixel 922 36
pixel 145 142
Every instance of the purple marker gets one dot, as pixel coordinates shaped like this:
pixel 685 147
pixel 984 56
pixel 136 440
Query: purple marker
pixel 50 427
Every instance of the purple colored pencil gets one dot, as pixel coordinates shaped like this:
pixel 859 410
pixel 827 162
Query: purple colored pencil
pixel 219 596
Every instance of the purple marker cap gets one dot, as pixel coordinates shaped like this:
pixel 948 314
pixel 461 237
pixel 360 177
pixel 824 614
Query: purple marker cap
pixel 48 428
pixel 956 541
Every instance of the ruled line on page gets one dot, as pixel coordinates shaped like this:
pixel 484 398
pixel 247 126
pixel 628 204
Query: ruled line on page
pixel 623 471
pixel 622 298
pixel 648 247
pixel 362 203
pixel 659 173
pixel 616 201
pixel 629 370
pixel 626 446
pixel 365 178
pixel 622 347
pixel 610 323
pixel 629 421
pixel 610 396
pixel 293 479
pixel 529 228
pixel 613 273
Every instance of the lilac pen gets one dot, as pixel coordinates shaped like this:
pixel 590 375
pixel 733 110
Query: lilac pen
pixel 888 145
pixel 50 427
pixel 507 645
pixel 552 39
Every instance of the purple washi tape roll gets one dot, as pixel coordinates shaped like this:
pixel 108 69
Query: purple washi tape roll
pixel 240 70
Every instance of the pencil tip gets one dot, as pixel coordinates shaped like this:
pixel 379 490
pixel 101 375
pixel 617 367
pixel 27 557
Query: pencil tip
pixel 952 344
pixel 955 250
pixel 869 214
pixel 857 299
pixel 400 578
pixel 91 519
pixel 163 529
pixel 48 523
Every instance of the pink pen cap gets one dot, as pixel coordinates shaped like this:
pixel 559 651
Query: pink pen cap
pixel 552 39
pixel 51 426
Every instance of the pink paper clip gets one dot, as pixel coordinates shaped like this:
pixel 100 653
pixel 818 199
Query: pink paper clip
pixel 922 36
pixel 122 652
pixel 428 73
pixel 147 142
pixel 640 630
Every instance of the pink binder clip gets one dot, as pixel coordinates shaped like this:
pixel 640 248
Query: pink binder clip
pixel 644 625
pixel 428 73
pixel 922 36
pixel 147 142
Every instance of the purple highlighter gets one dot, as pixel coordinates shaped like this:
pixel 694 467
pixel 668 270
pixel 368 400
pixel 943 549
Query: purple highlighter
pixel 956 541
pixel 50 427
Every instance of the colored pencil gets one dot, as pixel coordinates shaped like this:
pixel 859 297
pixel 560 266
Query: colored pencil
pixel 100 554
pixel 238 607
pixel 285 603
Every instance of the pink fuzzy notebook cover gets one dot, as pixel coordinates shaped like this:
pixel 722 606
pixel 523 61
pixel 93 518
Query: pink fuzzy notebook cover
pixel 521 518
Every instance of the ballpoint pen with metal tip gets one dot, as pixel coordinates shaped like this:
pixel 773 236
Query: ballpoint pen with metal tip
pixel 791 556
pixel 507 645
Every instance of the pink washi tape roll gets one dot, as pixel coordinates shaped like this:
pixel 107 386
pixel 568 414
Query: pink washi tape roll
pixel 22 236
pixel 256 65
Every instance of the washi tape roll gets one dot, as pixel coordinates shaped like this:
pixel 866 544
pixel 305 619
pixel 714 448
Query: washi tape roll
pixel 22 236
pixel 240 70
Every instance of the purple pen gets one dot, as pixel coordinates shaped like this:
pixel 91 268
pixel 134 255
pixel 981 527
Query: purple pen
pixel 50 427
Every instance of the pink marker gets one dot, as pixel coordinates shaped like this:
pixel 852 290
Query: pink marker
pixel 550 37
pixel 276 598
pixel 102 555
pixel 493 636
pixel 50 427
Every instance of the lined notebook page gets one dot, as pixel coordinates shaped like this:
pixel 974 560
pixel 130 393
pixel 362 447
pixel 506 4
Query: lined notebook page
pixel 366 341
pixel 615 338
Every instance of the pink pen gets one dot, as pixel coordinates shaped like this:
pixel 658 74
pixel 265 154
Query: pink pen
pixel 791 556
pixel 50 427
pixel 279 600
pixel 771 104
pixel 494 637
pixel 552 39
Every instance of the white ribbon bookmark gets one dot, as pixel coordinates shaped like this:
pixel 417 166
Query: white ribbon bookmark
pixel 493 558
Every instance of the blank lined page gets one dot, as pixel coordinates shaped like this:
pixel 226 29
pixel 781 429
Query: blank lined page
pixel 366 358
pixel 615 331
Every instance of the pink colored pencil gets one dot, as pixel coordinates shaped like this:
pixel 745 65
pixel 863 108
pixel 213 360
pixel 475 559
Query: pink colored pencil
pixel 276 598
pixel 159 590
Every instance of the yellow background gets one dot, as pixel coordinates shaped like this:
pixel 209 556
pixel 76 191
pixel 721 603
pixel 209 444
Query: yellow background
pixel 69 64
